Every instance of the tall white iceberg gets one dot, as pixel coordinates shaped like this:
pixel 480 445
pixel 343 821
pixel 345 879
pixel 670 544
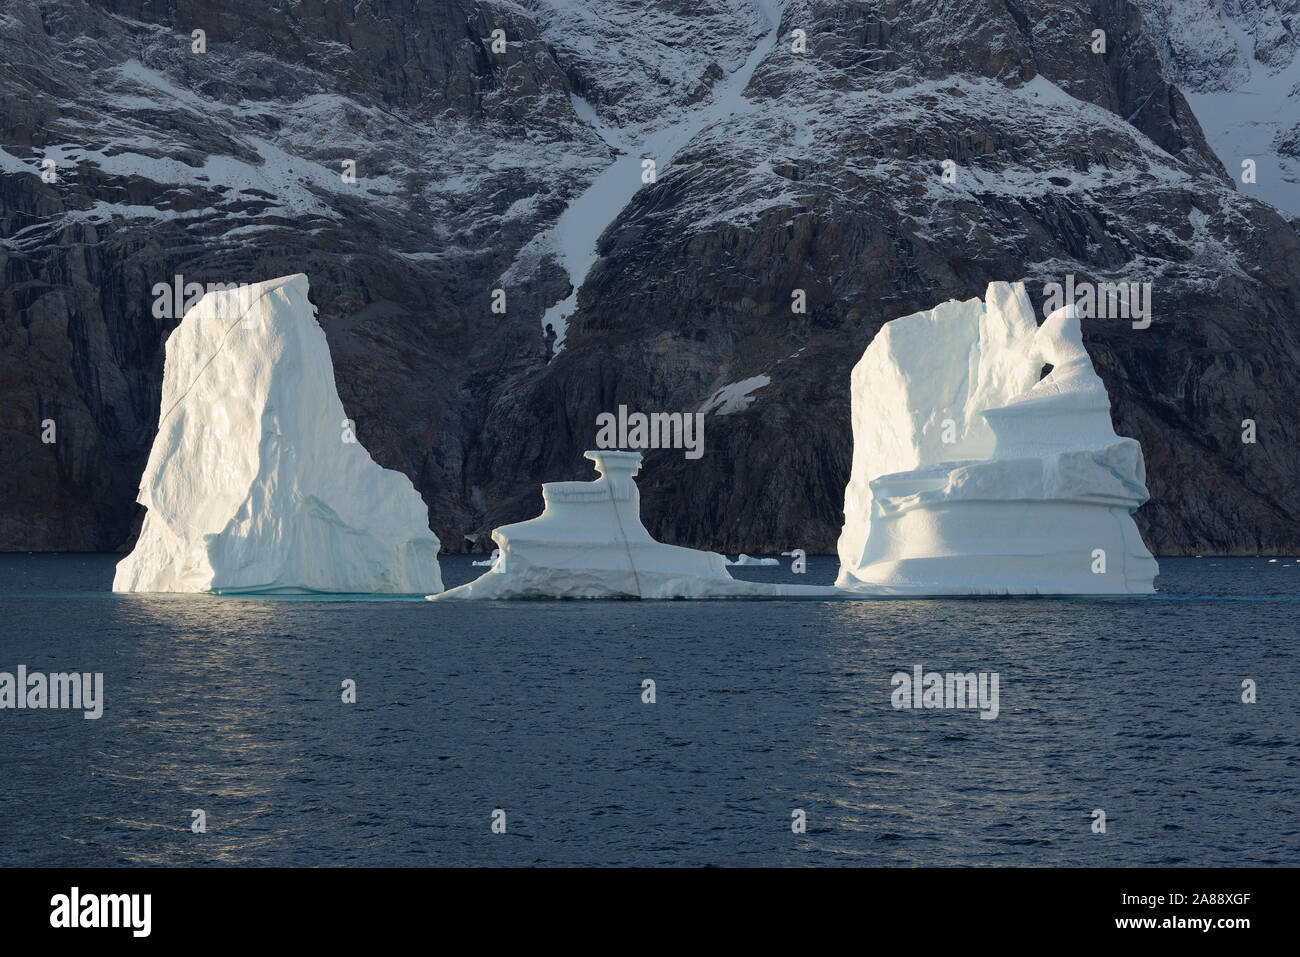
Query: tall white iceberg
pixel 973 474
pixel 256 482
pixel 589 543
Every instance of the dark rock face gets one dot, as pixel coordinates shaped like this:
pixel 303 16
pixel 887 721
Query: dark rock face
pixel 225 166
pixel 828 178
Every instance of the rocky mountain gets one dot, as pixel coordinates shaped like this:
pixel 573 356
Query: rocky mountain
pixel 878 156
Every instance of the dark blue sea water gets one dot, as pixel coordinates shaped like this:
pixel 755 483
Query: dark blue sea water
pixel 233 705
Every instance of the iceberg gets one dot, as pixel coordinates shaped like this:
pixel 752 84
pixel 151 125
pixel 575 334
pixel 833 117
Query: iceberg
pixel 975 474
pixel 589 543
pixel 256 482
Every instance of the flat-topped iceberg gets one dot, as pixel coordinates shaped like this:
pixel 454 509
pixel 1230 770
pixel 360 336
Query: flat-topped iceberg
pixel 973 474
pixel 256 482
pixel 589 543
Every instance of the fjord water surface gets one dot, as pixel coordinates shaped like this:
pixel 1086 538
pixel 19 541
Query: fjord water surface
pixel 233 705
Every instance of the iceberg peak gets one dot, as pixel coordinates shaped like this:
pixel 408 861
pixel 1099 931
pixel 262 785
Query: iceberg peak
pixel 974 474
pixel 256 482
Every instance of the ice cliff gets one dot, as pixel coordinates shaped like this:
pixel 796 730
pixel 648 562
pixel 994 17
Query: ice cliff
pixel 589 543
pixel 973 473
pixel 256 482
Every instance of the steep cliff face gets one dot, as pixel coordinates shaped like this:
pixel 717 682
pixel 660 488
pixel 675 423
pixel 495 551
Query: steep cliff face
pixel 776 171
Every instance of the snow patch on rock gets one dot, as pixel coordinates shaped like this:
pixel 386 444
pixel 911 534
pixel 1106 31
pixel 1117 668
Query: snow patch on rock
pixel 735 396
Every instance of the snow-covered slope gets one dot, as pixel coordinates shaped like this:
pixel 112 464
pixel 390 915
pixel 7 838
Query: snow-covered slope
pixel 1238 63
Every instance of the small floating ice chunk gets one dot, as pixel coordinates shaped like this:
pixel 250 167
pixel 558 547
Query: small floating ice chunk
pixel 744 559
